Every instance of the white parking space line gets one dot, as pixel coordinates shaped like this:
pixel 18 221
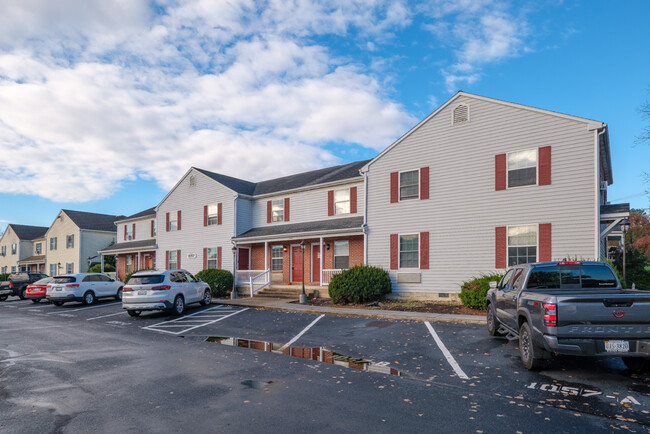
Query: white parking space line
pixel 183 322
pixel 288 344
pixel 87 307
pixel 104 316
pixel 446 352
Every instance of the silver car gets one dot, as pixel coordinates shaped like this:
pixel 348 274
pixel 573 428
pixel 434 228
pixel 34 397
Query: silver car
pixel 168 290
pixel 83 287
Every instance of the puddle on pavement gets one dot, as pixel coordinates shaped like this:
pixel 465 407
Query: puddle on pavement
pixel 319 354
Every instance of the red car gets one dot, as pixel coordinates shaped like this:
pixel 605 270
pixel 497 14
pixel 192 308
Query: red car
pixel 36 291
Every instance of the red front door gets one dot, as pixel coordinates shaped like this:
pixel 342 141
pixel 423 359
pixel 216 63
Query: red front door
pixel 148 261
pixel 296 264
pixel 242 261
pixel 315 263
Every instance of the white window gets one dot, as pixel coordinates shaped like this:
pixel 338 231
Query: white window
pixel 39 248
pixel 409 251
pixel 173 259
pixel 69 268
pixel 129 232
pixel 277 210
pixel 341 255
pixel 192 181
pixel 212 215
pixel 53 243
pixel 53 270
pixel 69 241
pixel 13 268
pixel 4 250
pixel 522 244
pixel 14 247
pixel 154 224
pixel 173 221
pixel 212 257
pixel 409 185
pixel 522 168
pixel 342 201
pixel 276 258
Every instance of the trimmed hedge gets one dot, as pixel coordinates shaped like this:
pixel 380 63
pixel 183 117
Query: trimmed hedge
pixel 359 284
pixel 4 277
pixel 473 292
pixel 220 281
pixel 128 276
pixel 97 268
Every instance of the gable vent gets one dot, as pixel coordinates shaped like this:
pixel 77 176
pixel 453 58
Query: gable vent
pixel 192 181
pixel 461 114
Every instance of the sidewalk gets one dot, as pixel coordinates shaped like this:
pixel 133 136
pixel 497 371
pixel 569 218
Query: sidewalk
pixel 284 304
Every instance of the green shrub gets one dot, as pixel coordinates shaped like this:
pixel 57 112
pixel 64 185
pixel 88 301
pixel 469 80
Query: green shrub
pixel 359 284
pixel 97 268
pixel 128 276
pixel 220 281
pixel 473 292
pixel 635 269
pixel 4 277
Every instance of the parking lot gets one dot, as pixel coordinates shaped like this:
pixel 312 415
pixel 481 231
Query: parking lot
pixel 462 358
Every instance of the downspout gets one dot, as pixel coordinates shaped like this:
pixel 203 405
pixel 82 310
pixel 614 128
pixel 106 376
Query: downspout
pixel 365 216
pixel 603 130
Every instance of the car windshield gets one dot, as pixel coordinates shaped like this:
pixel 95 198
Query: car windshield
pixel 64 279
pixel 146 280
pixel 571 277
pixel 43 281
pixel 17 277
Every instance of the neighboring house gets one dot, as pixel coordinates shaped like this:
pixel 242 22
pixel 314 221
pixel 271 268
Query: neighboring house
pixel 481 184
pixel 75 238
pixel 206 213
pixel 22 248
pixel 136 243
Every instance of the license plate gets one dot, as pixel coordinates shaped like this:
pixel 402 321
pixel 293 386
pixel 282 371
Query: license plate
pixel 142 292
pixel 617 346
pixel 58 288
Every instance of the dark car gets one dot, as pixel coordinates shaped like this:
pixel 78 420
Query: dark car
pixel 16 284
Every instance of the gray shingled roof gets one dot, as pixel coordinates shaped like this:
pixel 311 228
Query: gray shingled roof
pixel 140 244
pixel 297 228
pixel 92 221
pixel 146 212
pixel 25 232
pixel 616 208
pixel 305 179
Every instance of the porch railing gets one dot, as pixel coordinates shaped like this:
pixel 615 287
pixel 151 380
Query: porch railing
pixel 243 276
pixel 260 281
pixel 328 274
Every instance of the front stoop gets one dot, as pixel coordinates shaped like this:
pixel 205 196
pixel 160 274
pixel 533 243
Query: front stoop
pixel 286 291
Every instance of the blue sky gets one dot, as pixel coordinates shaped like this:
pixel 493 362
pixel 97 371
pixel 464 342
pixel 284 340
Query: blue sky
pixel 104 106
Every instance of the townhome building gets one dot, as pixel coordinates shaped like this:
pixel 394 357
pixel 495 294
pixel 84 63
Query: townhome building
pixel 22 249
pixel 136 243
pixel 483 184
pixel 74 240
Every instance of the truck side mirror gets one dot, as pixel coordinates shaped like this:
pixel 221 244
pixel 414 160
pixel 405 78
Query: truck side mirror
pixel 493 284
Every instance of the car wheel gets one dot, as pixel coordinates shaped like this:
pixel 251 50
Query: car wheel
pixel 118 296
pixel 36 300
pixel 89 298
pixel 207 298
pixel 179 305
pixel 134 312
pixel 58 303
pixel 637 364
pixel 492 321
pixel 3 297
pixel 21 294
pixel 530 353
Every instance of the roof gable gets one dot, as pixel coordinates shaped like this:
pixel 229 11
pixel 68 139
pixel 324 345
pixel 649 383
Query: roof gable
pixel 92 221
pixel 28 233
pixel 147 212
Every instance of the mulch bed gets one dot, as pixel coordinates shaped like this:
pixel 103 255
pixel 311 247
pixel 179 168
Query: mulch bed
pixel 411 306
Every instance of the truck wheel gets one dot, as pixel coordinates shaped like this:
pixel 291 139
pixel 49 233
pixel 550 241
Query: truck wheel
pixel 3 297
pixel 530 353
pixel 21 294
pixel 637 364
pixel 492 321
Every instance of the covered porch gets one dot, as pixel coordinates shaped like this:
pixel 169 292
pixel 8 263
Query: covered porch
pixel 611 217
pixel 131 256
pixel 33 264
pixel 285 256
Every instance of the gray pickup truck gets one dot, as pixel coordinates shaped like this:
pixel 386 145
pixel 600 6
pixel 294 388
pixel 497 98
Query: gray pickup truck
pixel 573 308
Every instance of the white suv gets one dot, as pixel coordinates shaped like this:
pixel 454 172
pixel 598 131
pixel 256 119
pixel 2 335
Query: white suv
pixel 167 290
pixel 83 287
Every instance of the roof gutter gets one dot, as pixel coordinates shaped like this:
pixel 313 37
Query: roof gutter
pixel 298 235
pixel 300 189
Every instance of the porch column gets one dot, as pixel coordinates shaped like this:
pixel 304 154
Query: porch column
pixel 140 260
pixel 266 255
pixel 101 260
pixel 321 260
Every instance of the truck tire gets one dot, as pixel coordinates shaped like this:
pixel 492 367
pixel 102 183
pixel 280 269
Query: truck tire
pixel 21 292
pixel 492 321
pixel 532 356
pixel 637 364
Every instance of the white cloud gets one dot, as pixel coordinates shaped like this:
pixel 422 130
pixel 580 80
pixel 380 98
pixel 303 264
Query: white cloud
pixel 93 93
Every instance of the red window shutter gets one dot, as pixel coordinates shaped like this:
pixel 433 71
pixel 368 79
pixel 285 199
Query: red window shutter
pixel 544 165
pixel 353 200
pixel 167 224
pixel 544 242
pixel 424 183
pixel 500 253
pixel 167 259
pixel 424 250
pixel 394 187
pixel 500 172
pixel 178 258
pixel 179 220
pixel 124 232
pixel 134 231
pixel 205 258
pixel 205 215
pixel 219 257
pixel 219 207
pixel 330 203
pixel 153 222
pixel 268 211
pixel 394 251
pixel 286 209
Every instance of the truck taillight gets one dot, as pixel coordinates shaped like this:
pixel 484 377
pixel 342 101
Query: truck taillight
pixel 161 288
pixel 11 285
pixel 570 263
pixel 550 315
